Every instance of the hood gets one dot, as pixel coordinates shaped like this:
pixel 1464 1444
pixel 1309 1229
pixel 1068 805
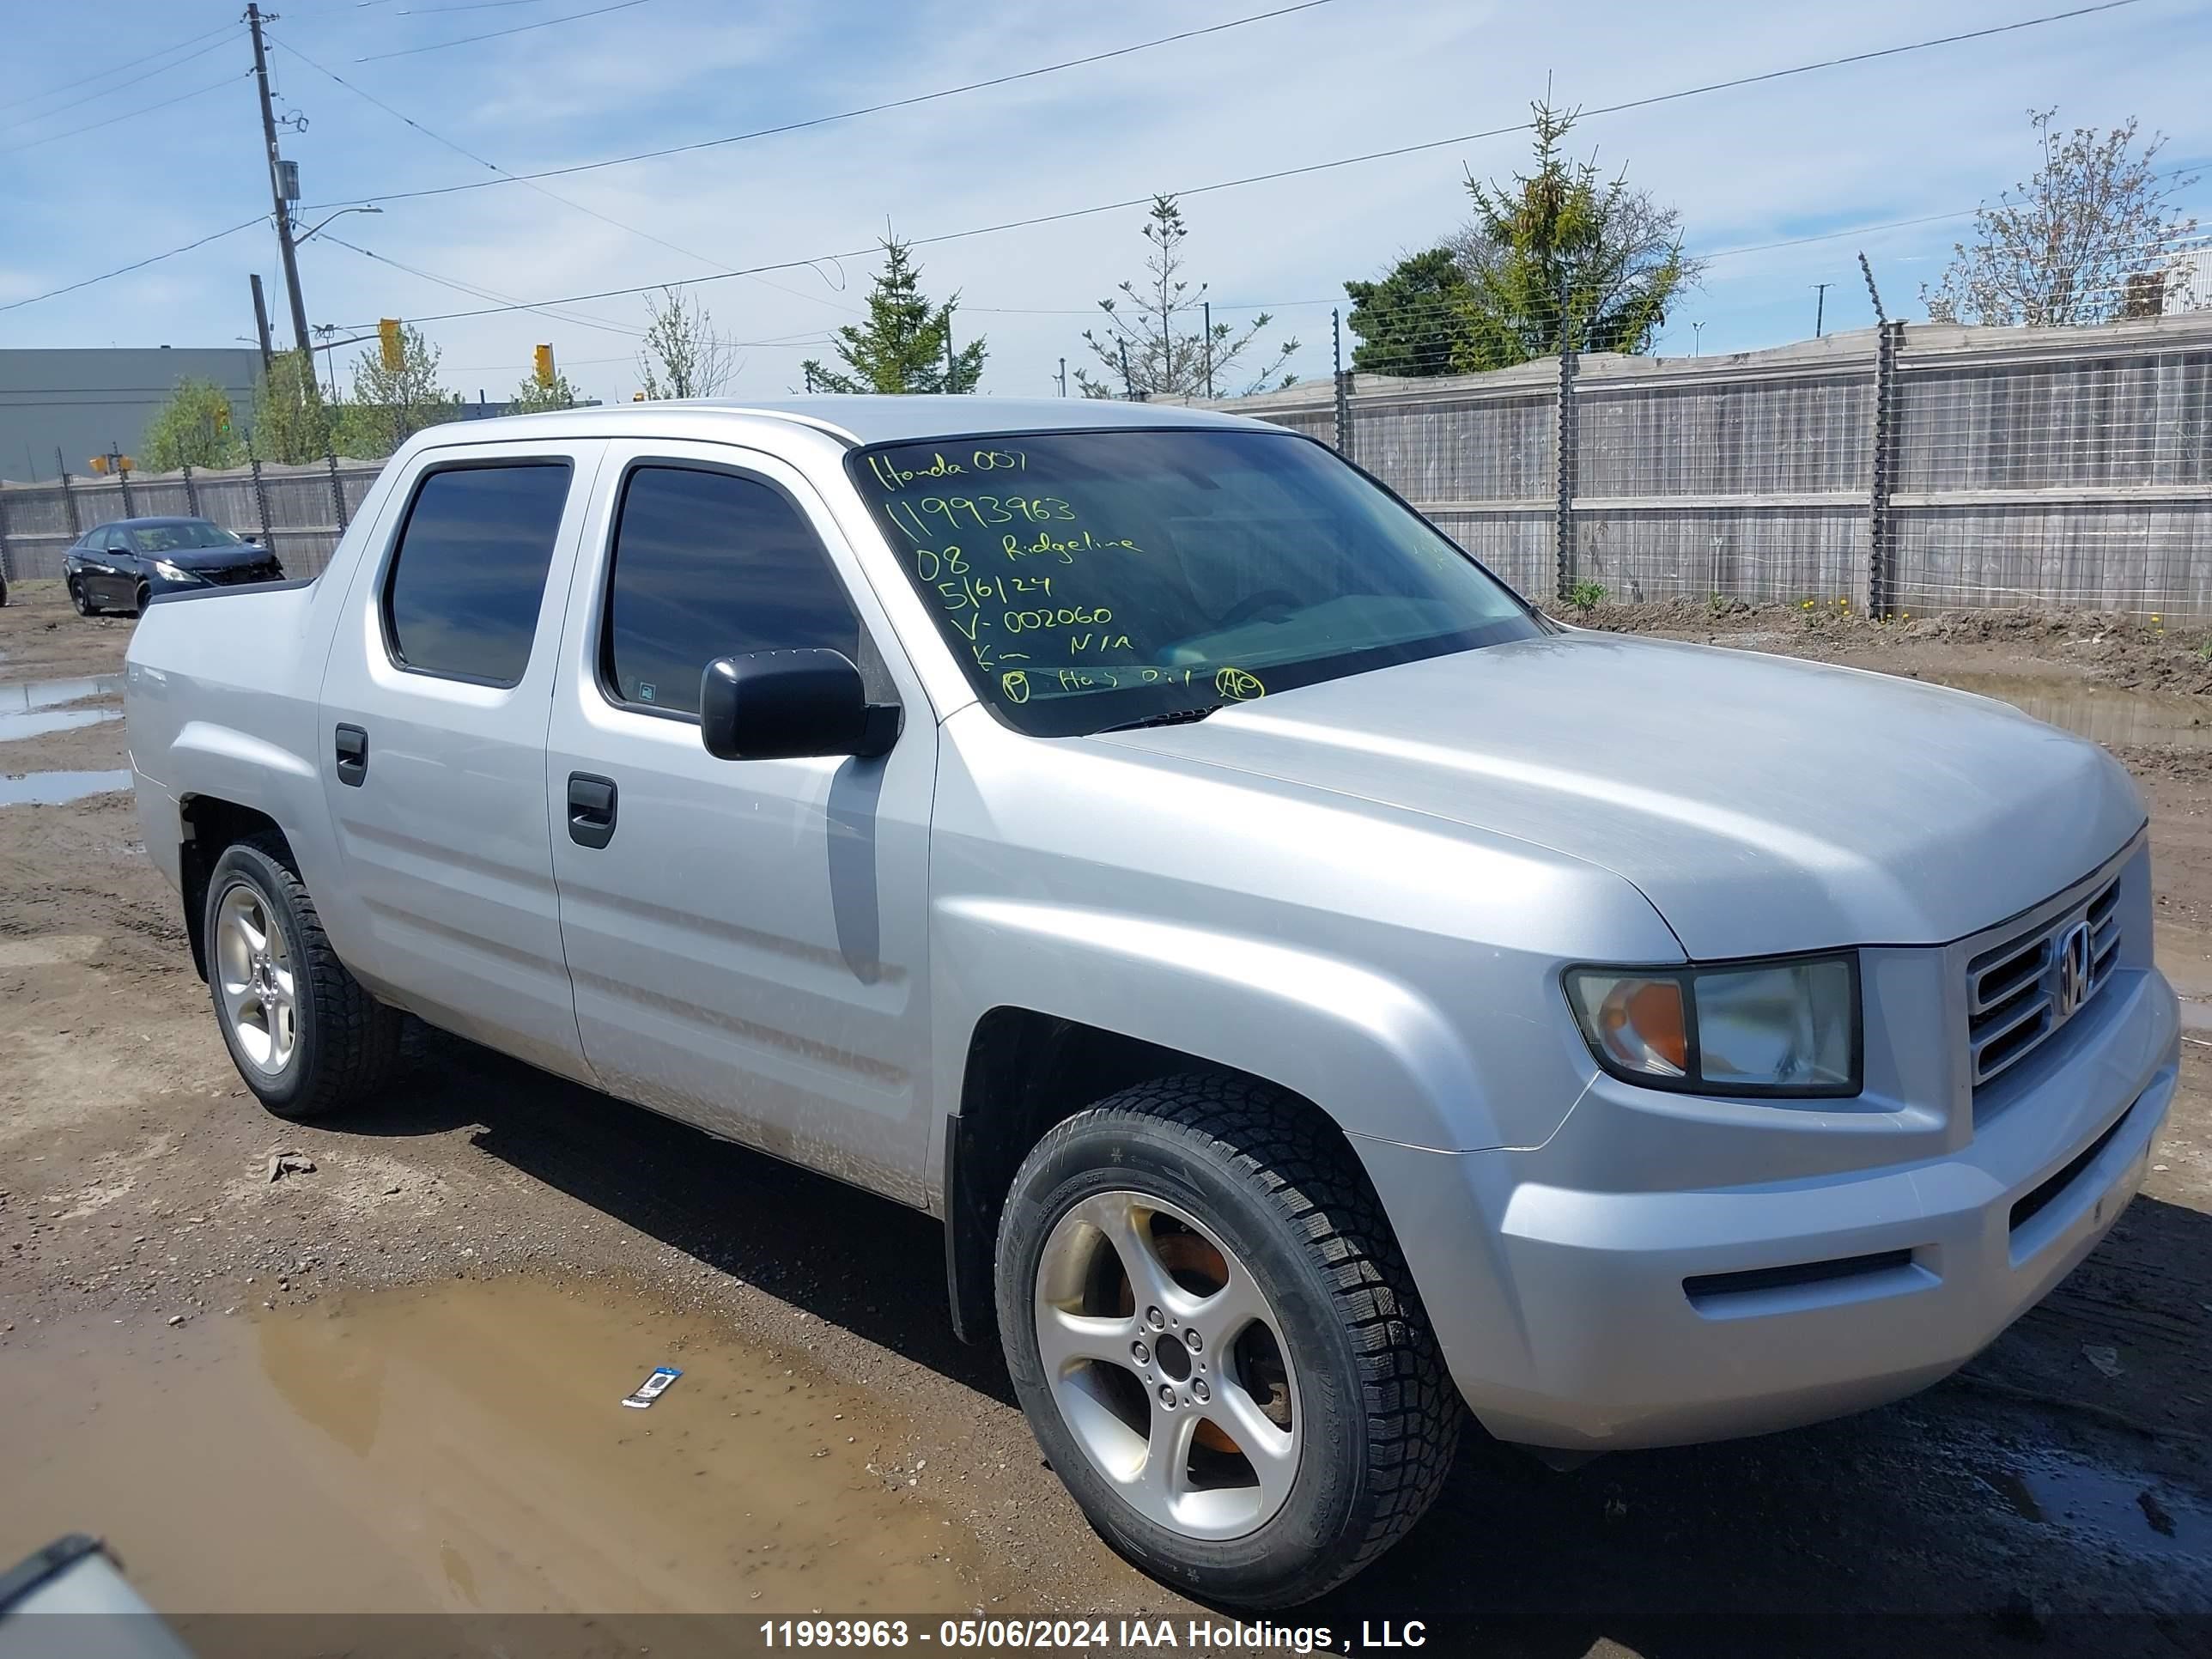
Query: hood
pixel 213 558
pixel 1763 805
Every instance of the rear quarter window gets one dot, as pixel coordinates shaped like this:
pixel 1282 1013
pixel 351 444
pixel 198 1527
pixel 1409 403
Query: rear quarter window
pixel 468 577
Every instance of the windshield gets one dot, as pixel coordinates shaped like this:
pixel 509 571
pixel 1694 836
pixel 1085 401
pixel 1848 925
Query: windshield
pixel 185 533
pixel 1087 580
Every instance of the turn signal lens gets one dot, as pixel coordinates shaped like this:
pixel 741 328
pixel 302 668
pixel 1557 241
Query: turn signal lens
pixel 1637 1022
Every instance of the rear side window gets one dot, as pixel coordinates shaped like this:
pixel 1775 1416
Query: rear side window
pixel 707 565
pixel 469 575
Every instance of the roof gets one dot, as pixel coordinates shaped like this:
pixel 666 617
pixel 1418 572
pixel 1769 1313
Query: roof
pixel 874 420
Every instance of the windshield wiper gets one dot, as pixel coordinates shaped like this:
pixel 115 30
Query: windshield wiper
pixel 1173 717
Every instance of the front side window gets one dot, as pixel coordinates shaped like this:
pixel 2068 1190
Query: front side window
pixel 708 565
pixel 1087 580
pixel 468 577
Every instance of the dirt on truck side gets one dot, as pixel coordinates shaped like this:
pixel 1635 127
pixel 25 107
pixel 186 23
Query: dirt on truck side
pixel 378 1363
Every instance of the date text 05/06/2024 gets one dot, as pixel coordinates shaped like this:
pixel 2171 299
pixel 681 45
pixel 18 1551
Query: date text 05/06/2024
pixel 1078 1634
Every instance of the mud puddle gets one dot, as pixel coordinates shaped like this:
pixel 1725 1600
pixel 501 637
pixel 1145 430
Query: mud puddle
pixel 463 1447
pixel 21 696
pixel 36 723
pixel 54 788
pixel 2128 1512
pixel 2104 712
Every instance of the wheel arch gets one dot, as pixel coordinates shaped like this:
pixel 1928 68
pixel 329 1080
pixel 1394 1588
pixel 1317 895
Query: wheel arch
pixel 1026 1071
pixel 212 823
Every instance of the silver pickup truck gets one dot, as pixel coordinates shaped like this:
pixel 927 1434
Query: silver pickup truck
pixel 1313 989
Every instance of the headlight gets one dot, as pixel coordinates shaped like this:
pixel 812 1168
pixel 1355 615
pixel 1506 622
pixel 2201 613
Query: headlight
pixel 1788 1028
pixel 173 573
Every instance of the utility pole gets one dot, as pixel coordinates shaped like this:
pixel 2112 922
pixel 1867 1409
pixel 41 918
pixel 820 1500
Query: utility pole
pixel 1820 306
pixel 950 364
pixel 1209 347
pixel 1063 377
pixel 260 319
pixel 1697 339
pixel 255 17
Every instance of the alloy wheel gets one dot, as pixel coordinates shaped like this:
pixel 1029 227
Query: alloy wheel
pixel 254 968
pixel 1168 1364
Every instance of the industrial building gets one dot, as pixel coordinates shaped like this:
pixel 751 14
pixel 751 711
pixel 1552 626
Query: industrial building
pixel 59 409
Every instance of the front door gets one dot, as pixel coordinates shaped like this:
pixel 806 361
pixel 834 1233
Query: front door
pixel 432 738
pixel 747 939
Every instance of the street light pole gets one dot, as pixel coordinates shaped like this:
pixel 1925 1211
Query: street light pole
pixel 254 19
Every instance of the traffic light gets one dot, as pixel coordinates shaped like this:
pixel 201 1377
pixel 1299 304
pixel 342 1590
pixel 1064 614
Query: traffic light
pixel 388 341
pixel 546 365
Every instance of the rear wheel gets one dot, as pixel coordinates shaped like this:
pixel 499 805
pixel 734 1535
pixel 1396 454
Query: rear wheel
pixel 1210 1326
pixel 303 1033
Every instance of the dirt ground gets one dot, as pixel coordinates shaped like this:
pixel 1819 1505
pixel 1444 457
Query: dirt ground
pixel 390 1382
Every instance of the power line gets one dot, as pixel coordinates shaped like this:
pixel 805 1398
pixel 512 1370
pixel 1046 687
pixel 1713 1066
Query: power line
pixel 128 115
pixel 482 292
pixel 124 270
pixel 116 69
pixel 1034 219
pixel 486 161
pixel 519 28
pixel 868 109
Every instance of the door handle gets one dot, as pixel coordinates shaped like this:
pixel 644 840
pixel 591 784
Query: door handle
pixel 352 754
pixel 590 809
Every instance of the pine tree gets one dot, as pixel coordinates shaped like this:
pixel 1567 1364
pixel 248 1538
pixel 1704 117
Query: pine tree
pixel 903 348
pixel 1150 348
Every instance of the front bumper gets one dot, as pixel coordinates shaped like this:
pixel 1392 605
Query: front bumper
pixel 1598 1320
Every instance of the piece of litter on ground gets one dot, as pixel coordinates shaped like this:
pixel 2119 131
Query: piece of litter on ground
pixel 283 1163
pixel 2106 1360
pixel 653 1388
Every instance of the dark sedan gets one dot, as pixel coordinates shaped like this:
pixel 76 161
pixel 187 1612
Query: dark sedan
pixel 123 565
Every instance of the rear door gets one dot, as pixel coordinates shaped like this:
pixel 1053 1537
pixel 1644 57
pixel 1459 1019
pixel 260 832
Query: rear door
pixel 434 716
pixel 748 938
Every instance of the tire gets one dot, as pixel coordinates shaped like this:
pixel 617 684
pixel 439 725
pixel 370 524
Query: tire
pixel 142 598
pixel 324 1043
pixel 1265 1199
pixel 77 599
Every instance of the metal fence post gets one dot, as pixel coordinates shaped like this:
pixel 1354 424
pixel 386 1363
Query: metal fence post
pixel 1882 552
pixel 191 492
pixel 337 491
pixel 7 566
pixel 123 476
pixel 1564 551
pixel 69 500
pixel 261 502
pixel 1343 389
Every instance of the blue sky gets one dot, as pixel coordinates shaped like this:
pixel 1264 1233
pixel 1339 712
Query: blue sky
pixel 1927 133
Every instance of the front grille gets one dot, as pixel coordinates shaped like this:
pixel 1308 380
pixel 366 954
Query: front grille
pixel 2016 991
pixel 231 575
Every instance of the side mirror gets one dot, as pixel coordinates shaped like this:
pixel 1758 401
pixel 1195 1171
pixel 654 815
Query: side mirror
pixel 781 705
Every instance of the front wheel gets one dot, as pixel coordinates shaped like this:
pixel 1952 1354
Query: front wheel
pixel 77 599
pixel 144 597
pixel 305 1035
pixel 1210 1326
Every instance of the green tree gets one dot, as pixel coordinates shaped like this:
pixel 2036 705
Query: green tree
pixel 1562 237
pixel 682 357
pixel 390 405
pixel 1410 322
pixel 534 396
pixel 193 428
pixel 903 348
pixel 1158 335
pixel 291 423
pixel 2091 238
